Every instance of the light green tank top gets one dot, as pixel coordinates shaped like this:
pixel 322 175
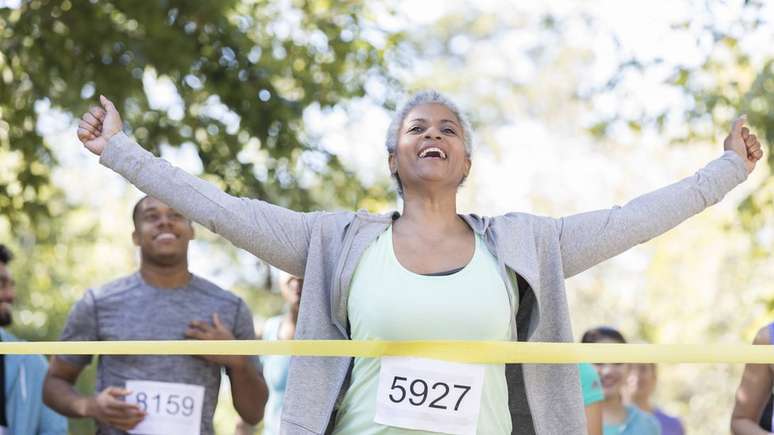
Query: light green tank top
pixel 389 302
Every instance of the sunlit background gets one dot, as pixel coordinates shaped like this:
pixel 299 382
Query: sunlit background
pixel 576 106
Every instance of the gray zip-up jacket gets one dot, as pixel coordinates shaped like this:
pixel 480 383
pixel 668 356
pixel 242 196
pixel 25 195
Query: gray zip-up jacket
pixel 325 249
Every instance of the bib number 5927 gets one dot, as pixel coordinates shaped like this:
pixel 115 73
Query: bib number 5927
pixel 430 395
pixel 420 391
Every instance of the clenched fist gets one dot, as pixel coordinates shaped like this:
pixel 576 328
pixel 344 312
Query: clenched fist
pixel 98 125
pixel 743 143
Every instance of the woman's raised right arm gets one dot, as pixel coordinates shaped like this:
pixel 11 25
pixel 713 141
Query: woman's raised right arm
pixel 274 234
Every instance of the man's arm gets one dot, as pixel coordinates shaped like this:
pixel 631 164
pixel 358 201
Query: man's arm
pixel 753 394
pixel 248 390
pixel 58 389
pixel 107 407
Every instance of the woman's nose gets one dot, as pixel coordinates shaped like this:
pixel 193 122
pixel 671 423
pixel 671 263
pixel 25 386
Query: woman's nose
pixel 432 134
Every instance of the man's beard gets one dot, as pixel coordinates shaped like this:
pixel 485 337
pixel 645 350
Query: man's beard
pixel 5 317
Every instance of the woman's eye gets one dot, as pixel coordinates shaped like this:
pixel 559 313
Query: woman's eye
pixel 449 131
pixel 415 129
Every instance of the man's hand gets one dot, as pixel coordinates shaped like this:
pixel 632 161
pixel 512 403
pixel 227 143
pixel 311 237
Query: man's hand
pixel 216 331
pixel 98 125
pixel 744 144
pixel 108 408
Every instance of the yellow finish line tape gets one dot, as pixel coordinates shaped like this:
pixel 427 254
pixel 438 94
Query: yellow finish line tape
pixel 462 351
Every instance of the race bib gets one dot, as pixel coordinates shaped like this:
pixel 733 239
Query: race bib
pixel 171 408
pixel 430 395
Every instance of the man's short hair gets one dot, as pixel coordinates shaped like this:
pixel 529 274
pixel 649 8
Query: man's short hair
pixel 136 210
pixel 5 254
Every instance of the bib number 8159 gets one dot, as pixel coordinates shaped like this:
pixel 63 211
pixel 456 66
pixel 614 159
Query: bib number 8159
pixel 172 408
pixel 174 405
pixel 419 391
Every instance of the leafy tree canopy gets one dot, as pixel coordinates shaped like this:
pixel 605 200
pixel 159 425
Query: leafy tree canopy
pixel 243 73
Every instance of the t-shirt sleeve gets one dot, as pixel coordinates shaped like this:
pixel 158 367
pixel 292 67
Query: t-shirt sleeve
pixel 245 330
pixel 655 426
pixel 81 326
pixel 591 385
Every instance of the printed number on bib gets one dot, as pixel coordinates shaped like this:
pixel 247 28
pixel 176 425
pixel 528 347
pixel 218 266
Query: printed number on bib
pixel 170 407
pixel 430 395
pixel 419 389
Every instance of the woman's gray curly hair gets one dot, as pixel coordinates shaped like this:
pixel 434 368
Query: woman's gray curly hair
pixel 418 99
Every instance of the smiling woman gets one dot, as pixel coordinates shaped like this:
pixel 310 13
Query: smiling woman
pixel 429 113
pixel 617 418
pixel 427 273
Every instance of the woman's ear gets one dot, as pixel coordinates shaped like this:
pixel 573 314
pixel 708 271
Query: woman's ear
pixel 392 162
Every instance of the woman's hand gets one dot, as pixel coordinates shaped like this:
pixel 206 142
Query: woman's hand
pixel 98 125
pixel 744 144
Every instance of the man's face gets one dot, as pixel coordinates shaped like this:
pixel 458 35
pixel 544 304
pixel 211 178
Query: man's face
pixel 7 295
pixel 162 233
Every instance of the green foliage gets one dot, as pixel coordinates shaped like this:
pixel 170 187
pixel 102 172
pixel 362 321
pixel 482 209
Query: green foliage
pixel 739 87
pixel 730 81
pixel 245 71
pixel 242 73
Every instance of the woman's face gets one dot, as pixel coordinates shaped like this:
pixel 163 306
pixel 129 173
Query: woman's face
pixel 612 375
pixel 430 149
pixel 291 290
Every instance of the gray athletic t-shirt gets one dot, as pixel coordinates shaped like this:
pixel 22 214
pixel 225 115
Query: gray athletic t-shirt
pixel 130 309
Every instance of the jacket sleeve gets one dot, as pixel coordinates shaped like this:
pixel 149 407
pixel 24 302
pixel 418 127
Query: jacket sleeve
pixel 587 239
pixel 51 423
pixel 274 234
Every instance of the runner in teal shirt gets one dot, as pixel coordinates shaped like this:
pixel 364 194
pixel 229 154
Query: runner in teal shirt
pixel 591 385
pixel 619 419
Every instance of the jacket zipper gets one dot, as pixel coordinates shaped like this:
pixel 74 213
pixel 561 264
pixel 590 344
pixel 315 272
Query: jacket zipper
pixel 514 326
pixel 336 285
